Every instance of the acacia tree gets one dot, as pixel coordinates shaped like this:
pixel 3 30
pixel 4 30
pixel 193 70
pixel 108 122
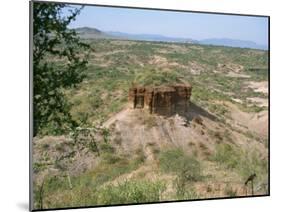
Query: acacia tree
pixel 59 61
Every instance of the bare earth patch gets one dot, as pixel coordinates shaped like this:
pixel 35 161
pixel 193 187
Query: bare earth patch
pixel 261 87
pixel 196 68
pixel 162 62
pixel 237 100
pixel 257 122
pixel 233 74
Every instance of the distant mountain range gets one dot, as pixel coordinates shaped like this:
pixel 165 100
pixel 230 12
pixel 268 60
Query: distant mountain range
pixel 233 43
pixel 151 37
pixel 88 32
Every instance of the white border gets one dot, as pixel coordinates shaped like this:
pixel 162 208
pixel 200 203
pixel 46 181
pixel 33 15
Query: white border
pixel 14 88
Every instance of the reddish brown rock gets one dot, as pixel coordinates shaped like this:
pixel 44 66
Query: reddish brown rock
pixel 163 100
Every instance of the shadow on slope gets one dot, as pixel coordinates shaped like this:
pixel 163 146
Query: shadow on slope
pixel 195 111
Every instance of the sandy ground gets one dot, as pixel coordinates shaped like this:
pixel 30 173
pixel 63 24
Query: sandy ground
pixel 261 87
pixel 233 74
pixel 256 122
pixel 237 100
pixel 162 62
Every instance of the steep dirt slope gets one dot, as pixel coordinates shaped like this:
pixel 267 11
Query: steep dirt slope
pixel 136 128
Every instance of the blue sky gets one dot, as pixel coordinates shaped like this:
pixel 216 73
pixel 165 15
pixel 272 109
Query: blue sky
pixel 174 24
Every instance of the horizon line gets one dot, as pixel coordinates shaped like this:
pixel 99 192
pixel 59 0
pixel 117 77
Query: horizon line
pixel 265 45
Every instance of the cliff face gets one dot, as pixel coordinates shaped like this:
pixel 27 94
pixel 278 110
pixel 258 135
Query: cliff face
pixel 163 100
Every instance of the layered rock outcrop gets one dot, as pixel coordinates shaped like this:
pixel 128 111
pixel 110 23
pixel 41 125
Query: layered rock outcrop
pixel 163 100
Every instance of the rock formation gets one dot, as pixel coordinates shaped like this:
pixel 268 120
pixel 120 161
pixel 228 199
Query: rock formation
pixel 163 100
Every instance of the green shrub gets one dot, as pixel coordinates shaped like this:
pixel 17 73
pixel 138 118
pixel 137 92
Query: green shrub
pixel 184 190
pixel 244 162
pixel 225 154
pixel 107 148
pixel 131 192
pixel 111 158
pixel 155 77
pixel 176 161
pixel 187 170
pixel 229 191
pixel 37 167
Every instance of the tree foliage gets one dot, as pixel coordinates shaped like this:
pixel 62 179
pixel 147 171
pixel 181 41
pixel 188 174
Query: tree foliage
pixel 59 62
